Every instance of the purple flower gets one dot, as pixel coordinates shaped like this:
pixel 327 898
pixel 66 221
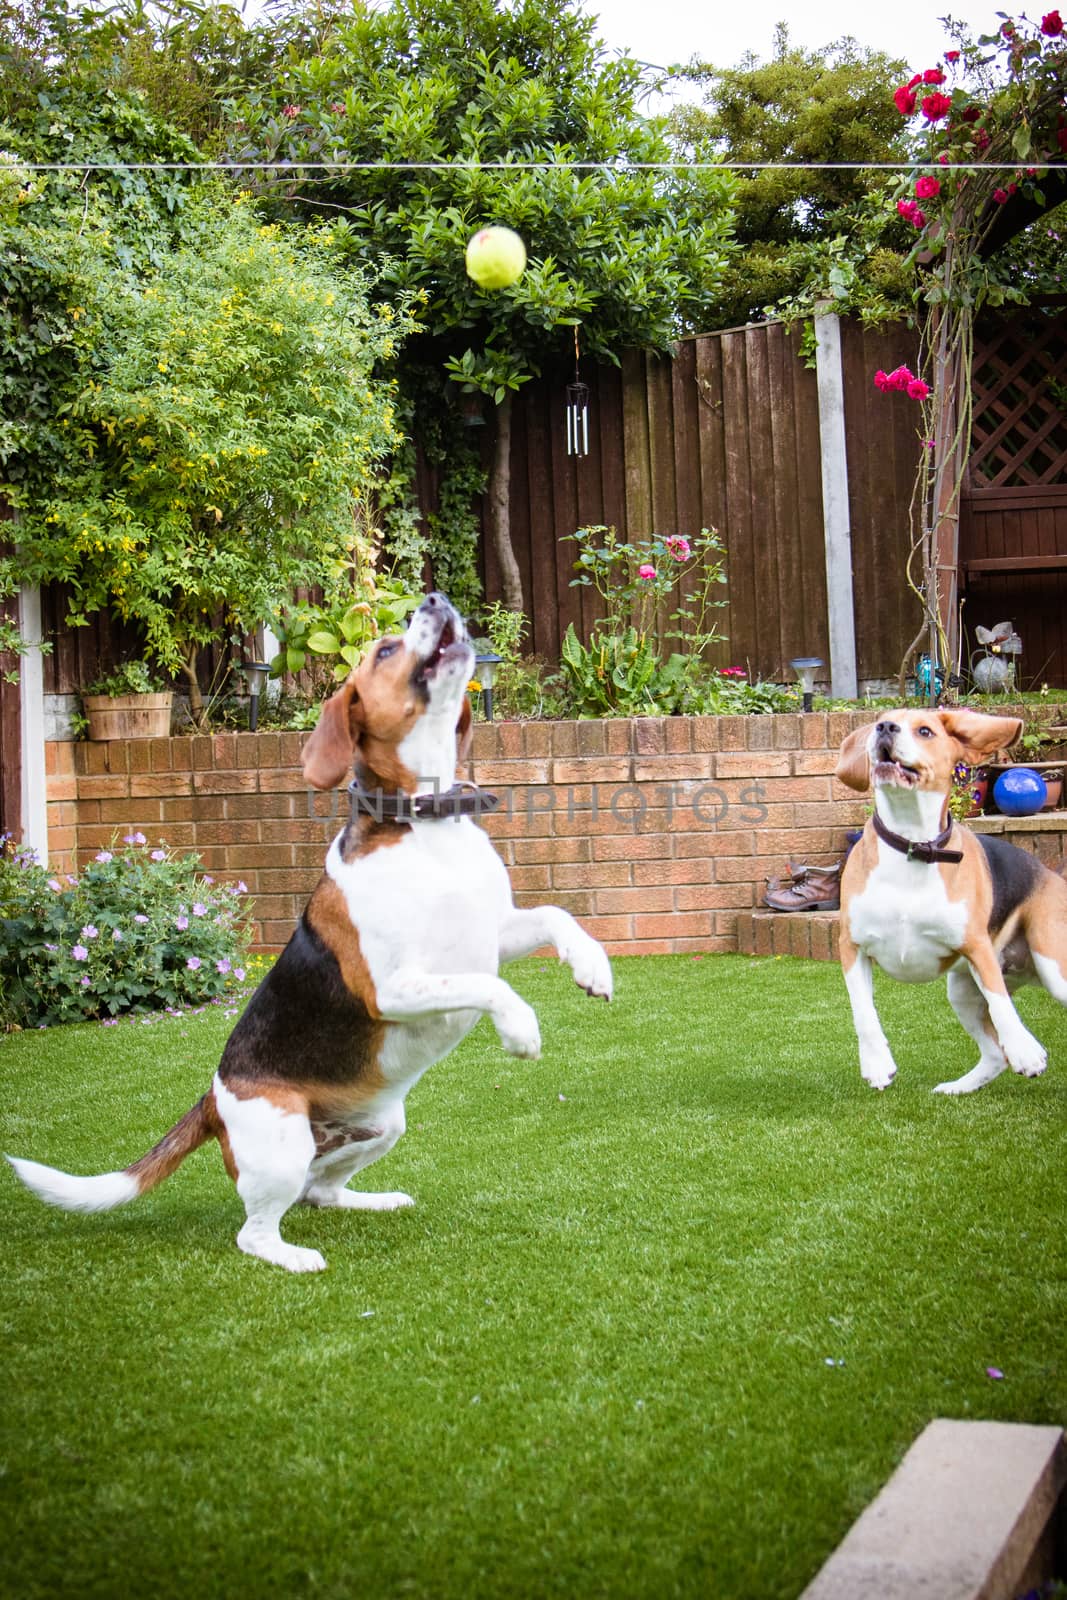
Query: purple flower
pixel 139 916
pixel 109 1022
pixel 993 1372
pixel 89 932
pixel 85 982
pixel 117 935
pixel 242 888
pixel 80 953
pixel 208 879
pixel 199 909
pixel 159 855
pixel 55 885
pixel 239 974
pixel 181 923
pixel 223 966
pixel 193 963
pixel 105 856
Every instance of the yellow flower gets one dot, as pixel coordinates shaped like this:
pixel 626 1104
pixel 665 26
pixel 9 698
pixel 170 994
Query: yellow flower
pixel 162 365
pixel 474 687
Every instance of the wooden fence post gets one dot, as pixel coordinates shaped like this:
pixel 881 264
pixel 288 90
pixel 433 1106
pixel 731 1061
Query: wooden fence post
pixel 836 525
pixel 31 700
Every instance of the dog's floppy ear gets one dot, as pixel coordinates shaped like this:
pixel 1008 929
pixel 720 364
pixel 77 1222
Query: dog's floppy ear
pixel 464 731
pixel 328 753
pixel 854 764
pixel 979 735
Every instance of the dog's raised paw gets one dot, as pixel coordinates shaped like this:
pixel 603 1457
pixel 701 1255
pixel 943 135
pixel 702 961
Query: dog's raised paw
pixel 591 969
pixel 519 1031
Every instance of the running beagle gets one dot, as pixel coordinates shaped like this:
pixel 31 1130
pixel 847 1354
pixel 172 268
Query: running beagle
pixel 921 895
pixel 394 960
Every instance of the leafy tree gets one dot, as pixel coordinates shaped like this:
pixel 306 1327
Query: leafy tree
pixel 802 106
pixel 487 89
pixel 188 411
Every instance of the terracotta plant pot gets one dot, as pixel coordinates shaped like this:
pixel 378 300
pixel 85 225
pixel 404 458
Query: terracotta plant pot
pixel 1054 784
pixel 128 716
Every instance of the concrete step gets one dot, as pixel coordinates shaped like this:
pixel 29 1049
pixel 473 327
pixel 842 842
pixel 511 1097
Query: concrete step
pixel 974 1512
pixel 809 934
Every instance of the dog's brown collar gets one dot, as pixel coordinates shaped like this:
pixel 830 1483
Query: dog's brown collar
pixel 462 800
pixel 928 850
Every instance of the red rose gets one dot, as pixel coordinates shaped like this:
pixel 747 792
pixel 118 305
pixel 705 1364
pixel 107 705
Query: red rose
pixel 904 100
pixel 900 378
pixel 933 75
pixel 1052 25
pixel 952 56
pixel 970 114
pixel 935 106
pixel 927 188
pixel 981 139
pixel 1000 196
pixel 881 381
pixel 914 82
pixel 917 389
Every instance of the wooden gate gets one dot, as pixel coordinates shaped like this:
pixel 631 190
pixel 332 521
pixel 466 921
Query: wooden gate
pixel 1013 515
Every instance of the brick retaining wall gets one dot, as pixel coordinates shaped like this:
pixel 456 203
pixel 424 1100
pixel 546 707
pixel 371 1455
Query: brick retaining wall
pixel 656 832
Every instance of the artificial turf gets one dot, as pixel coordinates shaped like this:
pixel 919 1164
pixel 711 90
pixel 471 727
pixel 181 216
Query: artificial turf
pixel 672 1304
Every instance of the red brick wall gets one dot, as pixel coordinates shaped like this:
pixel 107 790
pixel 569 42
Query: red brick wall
pixel 673 878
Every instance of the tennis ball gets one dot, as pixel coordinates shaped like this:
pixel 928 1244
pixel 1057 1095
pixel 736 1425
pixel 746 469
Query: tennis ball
pixel 496 257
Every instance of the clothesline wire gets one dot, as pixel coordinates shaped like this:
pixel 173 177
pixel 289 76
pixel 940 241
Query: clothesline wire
pixel 296 167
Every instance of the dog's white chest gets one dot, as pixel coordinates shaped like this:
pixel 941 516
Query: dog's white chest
pixel 435 901
pixel 904 920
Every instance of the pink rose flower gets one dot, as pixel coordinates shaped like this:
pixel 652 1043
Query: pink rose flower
pixel 1052 25
pixel 646 572
pixel 927 188
pixel 679 547
pixel 917 389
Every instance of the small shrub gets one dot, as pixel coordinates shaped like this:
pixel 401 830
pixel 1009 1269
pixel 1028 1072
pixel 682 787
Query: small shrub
pixel 133 677
pixel 140 930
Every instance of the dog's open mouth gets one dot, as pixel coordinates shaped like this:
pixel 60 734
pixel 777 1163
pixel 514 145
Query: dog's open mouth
pixel 452 642
pixel 897 773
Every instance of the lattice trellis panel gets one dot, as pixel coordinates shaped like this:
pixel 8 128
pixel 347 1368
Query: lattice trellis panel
pixel 1019 437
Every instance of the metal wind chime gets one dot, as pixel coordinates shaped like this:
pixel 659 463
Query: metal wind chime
pixel 577 411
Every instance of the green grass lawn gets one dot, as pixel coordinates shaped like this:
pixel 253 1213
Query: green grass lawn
pixel 593 1361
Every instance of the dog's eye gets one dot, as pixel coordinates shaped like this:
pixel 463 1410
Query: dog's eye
pixel 386 649
pixel 924 732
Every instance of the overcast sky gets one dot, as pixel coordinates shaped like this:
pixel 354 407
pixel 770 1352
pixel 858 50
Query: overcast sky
pixel 665 31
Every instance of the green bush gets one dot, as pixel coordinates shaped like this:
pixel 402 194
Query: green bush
pixel 140 930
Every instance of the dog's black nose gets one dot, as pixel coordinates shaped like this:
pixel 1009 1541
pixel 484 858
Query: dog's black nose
pixel 433 601
pixel 887 727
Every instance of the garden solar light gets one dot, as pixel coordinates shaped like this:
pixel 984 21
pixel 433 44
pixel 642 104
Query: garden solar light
pixel 486 663
pixel 255 676
pixel 804 667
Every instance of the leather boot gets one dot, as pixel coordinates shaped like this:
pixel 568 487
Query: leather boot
pixel 806 889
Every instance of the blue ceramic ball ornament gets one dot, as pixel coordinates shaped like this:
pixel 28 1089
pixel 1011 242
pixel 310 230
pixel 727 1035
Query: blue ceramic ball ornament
pixel 1019 792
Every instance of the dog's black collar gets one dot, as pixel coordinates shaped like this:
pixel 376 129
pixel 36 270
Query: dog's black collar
pixel 928 850
pixel 462 800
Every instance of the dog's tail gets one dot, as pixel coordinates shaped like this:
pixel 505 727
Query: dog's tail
pixel 106 1190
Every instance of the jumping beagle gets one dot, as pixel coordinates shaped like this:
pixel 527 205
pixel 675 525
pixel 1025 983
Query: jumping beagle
pixel 921 895
pixel 394 960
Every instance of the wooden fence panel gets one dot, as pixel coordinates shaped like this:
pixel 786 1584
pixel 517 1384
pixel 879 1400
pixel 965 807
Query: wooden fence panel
pixel 726 435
